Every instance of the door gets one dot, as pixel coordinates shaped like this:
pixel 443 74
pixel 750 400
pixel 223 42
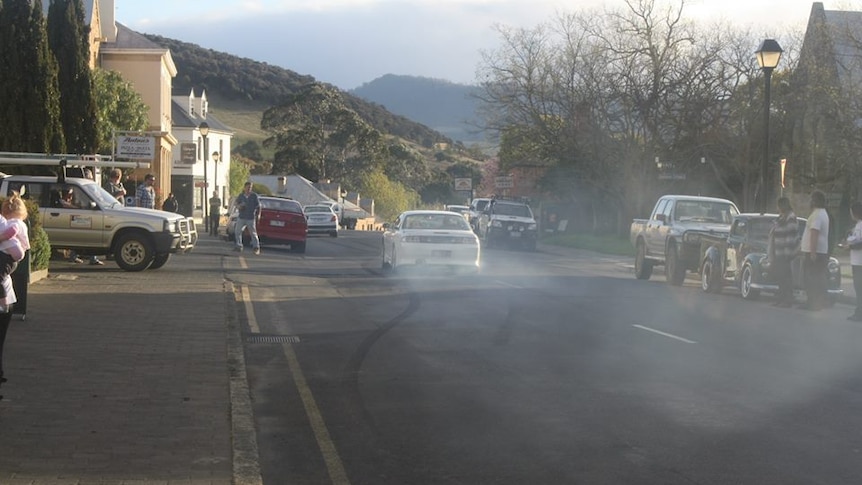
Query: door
pixel 71 218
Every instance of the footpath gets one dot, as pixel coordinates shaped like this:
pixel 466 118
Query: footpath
pixel 121 378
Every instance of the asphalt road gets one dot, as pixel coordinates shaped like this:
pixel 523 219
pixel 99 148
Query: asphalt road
pixel 546 368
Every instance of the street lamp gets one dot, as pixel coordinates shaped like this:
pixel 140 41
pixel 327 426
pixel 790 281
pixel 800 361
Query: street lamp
pixel 216 159
pixel 768 56
pixel 205 130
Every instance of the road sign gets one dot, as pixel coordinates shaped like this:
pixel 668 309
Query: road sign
pixel 504 182
pixel 463 184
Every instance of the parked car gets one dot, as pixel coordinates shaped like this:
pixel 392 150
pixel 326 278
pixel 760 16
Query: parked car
pixel 282 221
pixel 740 259
pixel 672 234
pixel 321 219
pixel 93 222
pixel 430 238
pixel 477 207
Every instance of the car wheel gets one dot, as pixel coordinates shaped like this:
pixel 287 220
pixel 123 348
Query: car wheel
pixel 745 282
pixel 710 279
pixel 643 268
pixel 133 252
pixel 160 260
pixel 675 271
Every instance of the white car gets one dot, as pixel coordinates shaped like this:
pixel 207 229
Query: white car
pixel 322 219
pixel 426 238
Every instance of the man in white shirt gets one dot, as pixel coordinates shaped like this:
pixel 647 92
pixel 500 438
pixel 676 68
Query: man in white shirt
pixel 815 251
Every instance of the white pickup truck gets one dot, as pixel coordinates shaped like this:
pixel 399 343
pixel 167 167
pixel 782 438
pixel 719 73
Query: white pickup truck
pixel 672 234
pixel 93 222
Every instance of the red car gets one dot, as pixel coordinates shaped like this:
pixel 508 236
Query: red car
pixel 282 221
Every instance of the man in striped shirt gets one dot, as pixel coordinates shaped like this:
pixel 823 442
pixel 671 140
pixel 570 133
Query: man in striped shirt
pixel 145 196
pixel 784 247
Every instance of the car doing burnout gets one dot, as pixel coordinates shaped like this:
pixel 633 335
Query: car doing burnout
pixel 321 219
pixel 430 238
pixel 740 259
pixel 282 221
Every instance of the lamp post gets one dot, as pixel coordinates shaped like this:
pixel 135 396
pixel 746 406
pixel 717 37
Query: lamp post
pixel 216 159
pixel 205 130
pixel 768 55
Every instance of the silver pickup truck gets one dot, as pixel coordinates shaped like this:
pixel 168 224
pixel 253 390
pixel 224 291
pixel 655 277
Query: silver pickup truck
pixel 90 221
pixel 672 234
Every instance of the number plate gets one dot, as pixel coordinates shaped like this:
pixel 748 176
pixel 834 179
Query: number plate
pixel 441 254
pixel 276 223
pixel 515 234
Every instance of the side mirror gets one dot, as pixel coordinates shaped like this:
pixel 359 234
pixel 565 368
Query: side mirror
pixel 386 225
pixel 661 217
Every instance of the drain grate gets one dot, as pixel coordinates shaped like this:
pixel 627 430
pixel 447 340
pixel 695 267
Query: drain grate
pixel 272 339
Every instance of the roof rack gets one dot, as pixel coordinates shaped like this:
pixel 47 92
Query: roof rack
pixel 23 158
pixel 511 198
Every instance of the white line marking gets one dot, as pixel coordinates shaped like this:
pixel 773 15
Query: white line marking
pixel 668 335
pixel 242 263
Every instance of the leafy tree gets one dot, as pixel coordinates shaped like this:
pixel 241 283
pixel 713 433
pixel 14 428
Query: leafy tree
pixel 390 198
pixel 239 172
pixel 68 38
pixel 249 149
pixel 316 135
pixel 119 108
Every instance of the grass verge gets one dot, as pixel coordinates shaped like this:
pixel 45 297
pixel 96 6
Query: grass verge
pixel 601 243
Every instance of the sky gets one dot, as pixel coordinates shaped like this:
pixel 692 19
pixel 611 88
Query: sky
pixel 351 42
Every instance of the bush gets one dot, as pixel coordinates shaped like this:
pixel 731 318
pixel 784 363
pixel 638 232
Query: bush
pixel 40 248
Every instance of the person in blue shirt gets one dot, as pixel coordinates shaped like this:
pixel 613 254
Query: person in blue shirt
pixel 248 207
pixel 145 196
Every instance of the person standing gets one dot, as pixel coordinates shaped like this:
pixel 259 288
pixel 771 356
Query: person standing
pixel 854 242
pixel 5 319
pixel 170 204
pixel 215 213
pixel 115 186
pixel 248 207
pixel 784 246
pixel 145 196
pixel 815 250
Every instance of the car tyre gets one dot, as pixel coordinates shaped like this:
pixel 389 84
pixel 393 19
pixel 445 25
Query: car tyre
pixel 745 282
pixel 160 260
pixel 675 271
pixel 710 278
pixel 643 268
pixel 133 252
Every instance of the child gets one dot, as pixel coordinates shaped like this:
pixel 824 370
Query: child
pixel 14 241
pixel 854 241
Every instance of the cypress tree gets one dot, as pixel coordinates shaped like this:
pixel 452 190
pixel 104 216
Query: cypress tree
pixel 68 38
pixel 28 81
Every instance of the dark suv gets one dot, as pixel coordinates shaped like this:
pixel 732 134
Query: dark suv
pixel 508 222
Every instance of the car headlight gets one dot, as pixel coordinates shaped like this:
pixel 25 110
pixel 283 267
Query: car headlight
pixel 170 226
pixel 411 239
pixel 496 224
pixel 532 227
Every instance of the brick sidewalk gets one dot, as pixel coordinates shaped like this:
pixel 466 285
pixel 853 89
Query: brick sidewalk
pixel 119 377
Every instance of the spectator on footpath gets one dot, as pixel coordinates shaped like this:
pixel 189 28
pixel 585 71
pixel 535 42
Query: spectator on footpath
pixel 854 242
pixel 815 250
pixel 115 186
pixel 783 248
pixel 6 303
pixel 215 213
pixel 248 206
pixel 145 196
pixel 170 204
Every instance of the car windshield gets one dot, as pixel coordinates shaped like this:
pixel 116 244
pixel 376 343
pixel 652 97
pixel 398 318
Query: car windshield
pixel 518 210
pixel 449 222
pixel 317 208
pixel 705 211
pixel 102 197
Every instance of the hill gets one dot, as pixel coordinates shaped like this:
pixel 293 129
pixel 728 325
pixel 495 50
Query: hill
pixel 240 89
pixel 446 107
